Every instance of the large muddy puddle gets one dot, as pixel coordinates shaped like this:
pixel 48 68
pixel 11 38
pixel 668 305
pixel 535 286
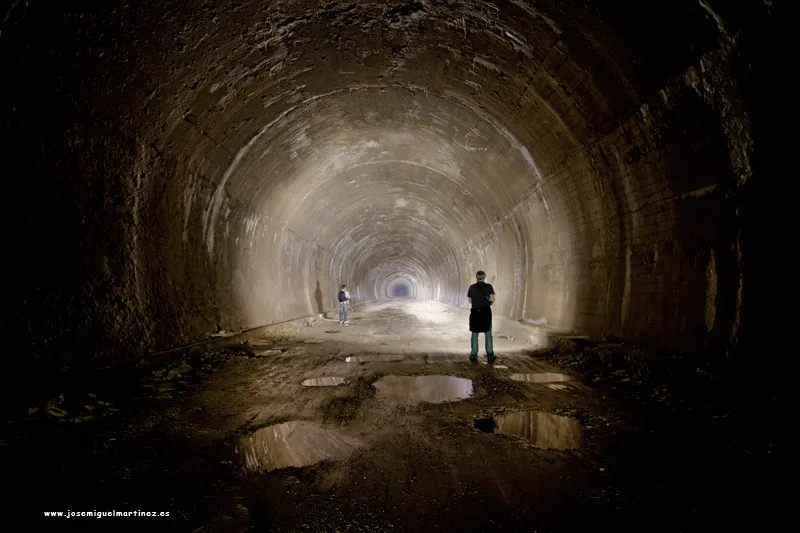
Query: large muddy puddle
pixel 291 444
pixel 544 430
pixel 416 389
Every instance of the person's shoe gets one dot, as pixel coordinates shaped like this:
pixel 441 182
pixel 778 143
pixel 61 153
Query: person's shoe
pixel 347 323
pixel 473 358
pixel 491 358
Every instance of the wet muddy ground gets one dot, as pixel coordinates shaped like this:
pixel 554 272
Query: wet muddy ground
pixel 385 425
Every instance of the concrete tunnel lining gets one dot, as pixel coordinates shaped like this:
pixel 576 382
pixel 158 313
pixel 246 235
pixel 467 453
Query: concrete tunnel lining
pixel 253 160
pixel 309 199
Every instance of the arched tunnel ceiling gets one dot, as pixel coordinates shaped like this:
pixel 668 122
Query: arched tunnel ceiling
pixel 268 148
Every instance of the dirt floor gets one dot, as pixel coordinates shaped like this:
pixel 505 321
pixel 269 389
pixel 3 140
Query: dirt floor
pixel 570 436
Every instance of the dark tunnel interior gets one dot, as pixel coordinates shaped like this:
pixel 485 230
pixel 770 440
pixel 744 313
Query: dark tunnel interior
pixel 400 288
pixel 192 181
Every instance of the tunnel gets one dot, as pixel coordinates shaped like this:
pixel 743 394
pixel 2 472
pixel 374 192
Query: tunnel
pixel 399 288
pixel 189 174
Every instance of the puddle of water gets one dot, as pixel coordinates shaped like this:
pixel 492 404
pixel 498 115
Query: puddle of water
pixel 373 358
pixel 557 386
pixel 432 389
pixel 544 430
pixel 332 381
pixel 540 377
pixel 291 444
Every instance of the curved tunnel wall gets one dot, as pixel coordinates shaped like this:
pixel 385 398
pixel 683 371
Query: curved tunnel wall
pixel 202 167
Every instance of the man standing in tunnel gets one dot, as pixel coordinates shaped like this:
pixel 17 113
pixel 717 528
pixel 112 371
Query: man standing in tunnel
pixel 343 297
pixel 481 297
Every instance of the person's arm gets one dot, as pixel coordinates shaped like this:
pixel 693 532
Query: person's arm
pixel 491 298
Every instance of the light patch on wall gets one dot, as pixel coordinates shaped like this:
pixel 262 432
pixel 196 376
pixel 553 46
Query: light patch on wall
pixel 626 294
pixel 412 113
pixel 486 64
pixel 508 135
pixel 299 139
pixel 241 75
pixel 711 292
pixel 251 224
pixel 216 200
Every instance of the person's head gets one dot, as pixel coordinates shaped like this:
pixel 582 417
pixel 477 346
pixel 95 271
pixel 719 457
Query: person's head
pixel 344 287
pixel 480 275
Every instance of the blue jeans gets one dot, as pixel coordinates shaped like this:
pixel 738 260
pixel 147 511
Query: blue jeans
pixel 343 312
pixel 489 347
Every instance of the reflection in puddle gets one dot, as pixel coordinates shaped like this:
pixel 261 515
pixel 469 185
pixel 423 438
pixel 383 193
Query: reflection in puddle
pixel 291 444
pixel 323 382
pixel 557 386
pixel 541 377
pixel 373 358
pixel 544 430
pixel 432 389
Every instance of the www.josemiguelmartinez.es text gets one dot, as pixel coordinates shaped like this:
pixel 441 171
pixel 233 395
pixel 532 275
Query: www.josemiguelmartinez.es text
pixel 102 514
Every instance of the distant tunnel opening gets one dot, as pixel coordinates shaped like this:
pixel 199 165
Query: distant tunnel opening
pixel 400 289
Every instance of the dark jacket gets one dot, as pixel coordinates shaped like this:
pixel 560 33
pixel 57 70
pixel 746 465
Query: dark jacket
pixel 480 316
